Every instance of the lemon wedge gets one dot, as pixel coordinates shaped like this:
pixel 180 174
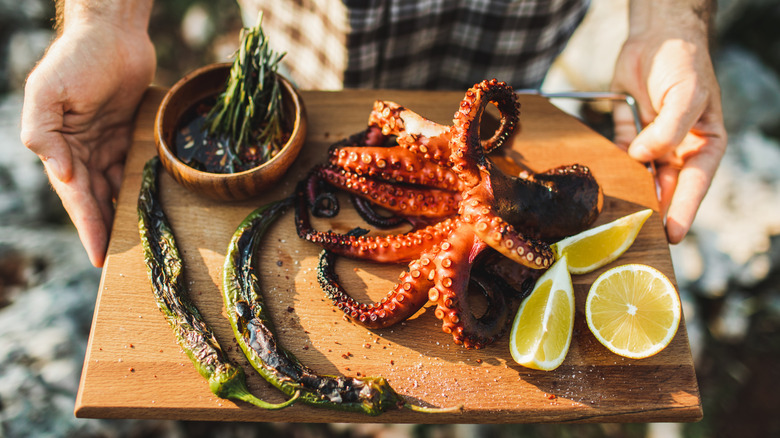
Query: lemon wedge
pixel 542 329
pixel 633 310
pixel 594 248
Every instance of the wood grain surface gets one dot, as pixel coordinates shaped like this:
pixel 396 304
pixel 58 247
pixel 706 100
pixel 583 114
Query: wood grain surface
pixel 135 369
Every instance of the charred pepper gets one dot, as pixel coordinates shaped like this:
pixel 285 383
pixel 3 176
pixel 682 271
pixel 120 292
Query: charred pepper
pixel 255 335
pixel 164 266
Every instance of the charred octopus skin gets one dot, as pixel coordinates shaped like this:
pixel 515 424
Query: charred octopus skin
pixel 460 206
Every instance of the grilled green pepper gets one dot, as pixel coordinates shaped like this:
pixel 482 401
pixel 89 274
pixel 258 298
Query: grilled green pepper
pixel 254 332
pixel 164 267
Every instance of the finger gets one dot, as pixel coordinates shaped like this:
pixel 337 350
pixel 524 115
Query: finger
pixel 85 213
pixel 54 152
pixel 103 194
pixel 114 176
pixel 692 183
pixel 679 112
pixel 625 127
pixel 667 177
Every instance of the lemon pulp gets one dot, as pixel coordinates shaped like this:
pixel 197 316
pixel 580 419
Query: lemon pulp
pixel 594 248
pixel 633 310
pixel 542 329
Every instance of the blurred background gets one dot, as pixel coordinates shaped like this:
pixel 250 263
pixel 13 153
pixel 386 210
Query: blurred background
pixel 728 268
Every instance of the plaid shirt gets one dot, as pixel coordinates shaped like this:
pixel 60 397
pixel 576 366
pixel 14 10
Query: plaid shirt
pixel 420 44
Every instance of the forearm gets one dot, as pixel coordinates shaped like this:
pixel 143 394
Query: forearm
pixel 693 17
pixel 130 15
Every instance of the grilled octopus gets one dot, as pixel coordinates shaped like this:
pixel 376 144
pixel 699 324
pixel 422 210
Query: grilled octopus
pixel 463 210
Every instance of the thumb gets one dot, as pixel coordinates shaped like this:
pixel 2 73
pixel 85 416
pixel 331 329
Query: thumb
pixel 54 152
pixel 42 121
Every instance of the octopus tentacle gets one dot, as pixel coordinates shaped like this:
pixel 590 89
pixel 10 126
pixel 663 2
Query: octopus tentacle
pixel 367 212
pixel 430 139
pixel 451 280
pixel 435 150
pixel 401 302
pixel 371 136
pixel 481 331
pixel 408 200
pixel 386 249
pixel 396 120
pixel 466 157
pixel 502 236
pixel 395 164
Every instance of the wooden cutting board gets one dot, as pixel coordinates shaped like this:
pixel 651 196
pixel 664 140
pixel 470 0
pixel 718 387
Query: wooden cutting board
pixel 135 369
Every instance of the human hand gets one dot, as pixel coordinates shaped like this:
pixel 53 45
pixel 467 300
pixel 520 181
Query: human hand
pixel 666 67
pixel 77 117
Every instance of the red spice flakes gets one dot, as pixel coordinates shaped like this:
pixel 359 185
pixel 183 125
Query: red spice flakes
pixel 550 396
pixel 305 347
pixel 367 345
pixel 479 360
pixel 392 362
pixel 358 373
pixel 131 369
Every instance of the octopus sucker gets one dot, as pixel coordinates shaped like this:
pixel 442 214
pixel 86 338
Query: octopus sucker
pixel 477 233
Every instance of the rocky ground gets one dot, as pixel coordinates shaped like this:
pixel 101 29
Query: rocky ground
pixel 727 269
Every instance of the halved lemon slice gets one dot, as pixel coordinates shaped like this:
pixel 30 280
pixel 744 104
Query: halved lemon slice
pixel 594 248
pixel 542 329
pixel 633 310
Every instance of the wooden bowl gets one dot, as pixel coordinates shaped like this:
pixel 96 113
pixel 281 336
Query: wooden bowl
pixel 203 83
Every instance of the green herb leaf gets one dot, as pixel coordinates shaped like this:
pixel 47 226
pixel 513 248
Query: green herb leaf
pixel 249 112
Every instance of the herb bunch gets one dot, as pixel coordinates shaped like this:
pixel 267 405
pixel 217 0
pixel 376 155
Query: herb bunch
pixel 249 112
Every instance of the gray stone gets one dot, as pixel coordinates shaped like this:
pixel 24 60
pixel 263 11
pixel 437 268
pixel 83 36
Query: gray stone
pixel 25 193
pixel 25 48
pixel 750 91
pixel 25 12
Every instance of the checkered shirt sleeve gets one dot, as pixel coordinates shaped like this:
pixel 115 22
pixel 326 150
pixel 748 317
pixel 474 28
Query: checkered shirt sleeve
pixel 416 44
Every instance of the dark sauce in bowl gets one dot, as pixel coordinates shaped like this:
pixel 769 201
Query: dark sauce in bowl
pixel 211 153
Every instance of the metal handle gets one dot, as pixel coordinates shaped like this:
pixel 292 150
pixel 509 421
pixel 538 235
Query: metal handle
pixel 603 95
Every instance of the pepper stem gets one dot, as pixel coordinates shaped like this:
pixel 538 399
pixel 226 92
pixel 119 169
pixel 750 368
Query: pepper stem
pixel 245 396
pixel 451 409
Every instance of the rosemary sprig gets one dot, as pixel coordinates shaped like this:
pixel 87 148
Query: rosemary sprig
pixel 249 111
